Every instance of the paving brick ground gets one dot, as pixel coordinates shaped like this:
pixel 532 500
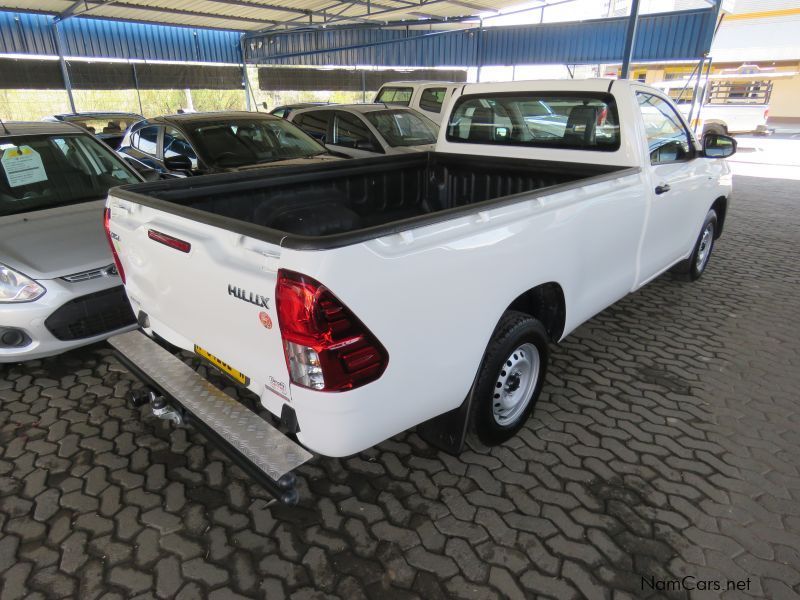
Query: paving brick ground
pixel 666 444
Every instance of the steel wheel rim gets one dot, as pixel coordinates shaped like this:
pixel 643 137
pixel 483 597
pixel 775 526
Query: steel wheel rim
pixel 516 381
pixel 706 243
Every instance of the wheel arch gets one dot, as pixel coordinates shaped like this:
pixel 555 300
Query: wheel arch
pixel 547 303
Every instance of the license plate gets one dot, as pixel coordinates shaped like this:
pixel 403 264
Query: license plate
pixel 237 376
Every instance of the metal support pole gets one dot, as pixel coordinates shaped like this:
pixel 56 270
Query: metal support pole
pixel 63 64
pixel 136 85
pixel 245 78
pixel 479 50
pixel 705 90
pixel 363 85
pixel 696 89
pixel 630 38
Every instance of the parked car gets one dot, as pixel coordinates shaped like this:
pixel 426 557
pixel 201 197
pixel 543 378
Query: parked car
pixel 203 143
pixel 108 126
pixel 59 288
pixel 428 97
pixel 733 105
pixel 287 109
pixel 363 130
pixel 421 289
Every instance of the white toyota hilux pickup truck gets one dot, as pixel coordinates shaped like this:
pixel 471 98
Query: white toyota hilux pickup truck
pixel 362 298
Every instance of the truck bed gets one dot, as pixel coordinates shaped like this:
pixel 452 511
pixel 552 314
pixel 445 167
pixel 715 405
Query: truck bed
pixel 347 202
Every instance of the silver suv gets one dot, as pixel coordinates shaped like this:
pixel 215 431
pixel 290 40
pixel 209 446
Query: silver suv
pixel 364 130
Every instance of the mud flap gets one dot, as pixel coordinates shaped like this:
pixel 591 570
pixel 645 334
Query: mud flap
pixel 448 431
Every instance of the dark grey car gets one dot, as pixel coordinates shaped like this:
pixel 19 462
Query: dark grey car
pixel 202 143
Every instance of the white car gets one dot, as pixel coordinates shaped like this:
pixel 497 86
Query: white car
pixel 363 298
pixel 428 97
pixel 364 130
pixel 59 288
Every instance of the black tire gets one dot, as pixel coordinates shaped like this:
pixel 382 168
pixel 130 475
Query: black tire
pixel 716 129
pixel 693 268
pixel 514 331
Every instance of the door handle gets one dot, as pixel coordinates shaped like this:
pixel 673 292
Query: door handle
pixel 663 188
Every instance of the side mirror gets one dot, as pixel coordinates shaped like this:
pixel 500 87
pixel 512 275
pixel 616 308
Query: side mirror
pixel 179 162
pixel 716 145
pixel 265 105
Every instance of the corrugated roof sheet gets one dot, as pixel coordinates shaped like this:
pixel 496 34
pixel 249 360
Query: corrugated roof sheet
pixel 668 36
pixel 25 33
pixel 255 15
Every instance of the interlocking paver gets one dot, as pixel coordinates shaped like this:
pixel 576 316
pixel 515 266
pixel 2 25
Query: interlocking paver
pixel 666 442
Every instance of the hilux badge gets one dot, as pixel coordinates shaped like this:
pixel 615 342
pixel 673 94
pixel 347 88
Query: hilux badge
pixel 250 297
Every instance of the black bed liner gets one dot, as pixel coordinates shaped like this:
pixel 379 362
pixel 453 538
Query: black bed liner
pixel 342 203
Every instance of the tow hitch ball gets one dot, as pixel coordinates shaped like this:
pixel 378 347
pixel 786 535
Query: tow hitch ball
pixel 158 404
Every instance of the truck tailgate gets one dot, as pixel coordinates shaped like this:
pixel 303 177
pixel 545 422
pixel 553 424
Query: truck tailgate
pixel 203 289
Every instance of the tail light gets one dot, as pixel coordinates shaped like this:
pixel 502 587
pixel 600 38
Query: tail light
pixel 107 227
pixel 327 348
pixel 766 114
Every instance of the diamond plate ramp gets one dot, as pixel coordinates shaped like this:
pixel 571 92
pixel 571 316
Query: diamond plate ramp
pixel 250 435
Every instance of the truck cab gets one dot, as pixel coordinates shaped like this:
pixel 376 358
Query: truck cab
pixel 428 97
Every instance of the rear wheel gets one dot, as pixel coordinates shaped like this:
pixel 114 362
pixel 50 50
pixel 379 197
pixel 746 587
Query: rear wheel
pixel 510 378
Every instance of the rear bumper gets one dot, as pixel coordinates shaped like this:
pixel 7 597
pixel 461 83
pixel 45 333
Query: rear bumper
pixel 257 447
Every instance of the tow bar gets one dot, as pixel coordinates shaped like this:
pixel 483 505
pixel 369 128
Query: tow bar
pixel 175 392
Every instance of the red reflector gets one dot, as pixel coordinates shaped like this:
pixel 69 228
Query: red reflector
pixel 114 255
pixel 168 240
pixel 327 347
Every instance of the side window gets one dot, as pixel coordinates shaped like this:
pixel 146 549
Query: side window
pixel 175 144
pixel 314 124
pixel 667 138
pixel 350 132
pixel 431 99
pixel 146 140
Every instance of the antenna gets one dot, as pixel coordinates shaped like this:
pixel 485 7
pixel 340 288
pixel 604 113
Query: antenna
pixel 4 127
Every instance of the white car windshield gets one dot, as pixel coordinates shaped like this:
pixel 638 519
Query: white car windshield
pixel 44 171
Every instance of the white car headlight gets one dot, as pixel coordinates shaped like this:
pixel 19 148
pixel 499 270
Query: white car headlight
pixel 16 287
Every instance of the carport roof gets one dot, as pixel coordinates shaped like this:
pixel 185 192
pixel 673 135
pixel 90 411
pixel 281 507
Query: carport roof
pixel 257 15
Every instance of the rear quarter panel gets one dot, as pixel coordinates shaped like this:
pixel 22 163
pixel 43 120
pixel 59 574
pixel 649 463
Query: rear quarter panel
pixel 434 295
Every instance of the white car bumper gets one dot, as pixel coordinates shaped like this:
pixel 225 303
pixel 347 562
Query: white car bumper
pixel 67 316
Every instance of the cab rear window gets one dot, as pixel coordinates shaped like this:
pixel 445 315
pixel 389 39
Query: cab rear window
pixel 395 95
pixel 565 121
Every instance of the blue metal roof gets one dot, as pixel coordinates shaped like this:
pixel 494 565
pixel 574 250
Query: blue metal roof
pixel 27 33
pixel 669 36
